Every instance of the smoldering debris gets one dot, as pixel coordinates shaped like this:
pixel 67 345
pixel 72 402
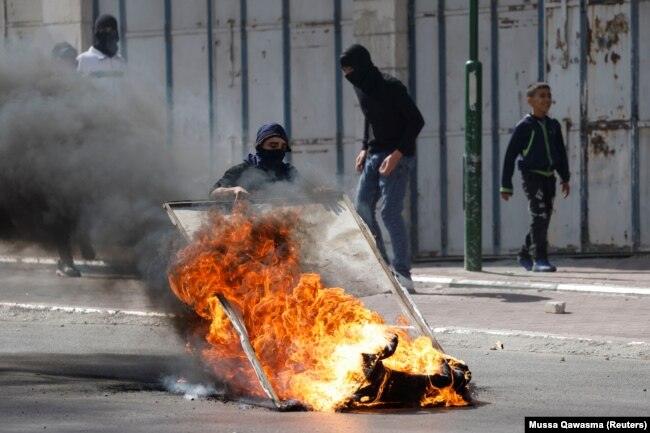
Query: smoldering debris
pixel 78 159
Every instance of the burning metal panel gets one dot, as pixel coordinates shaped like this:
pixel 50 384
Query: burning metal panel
pixel 319 346
pixel 240 328
pixel 335 243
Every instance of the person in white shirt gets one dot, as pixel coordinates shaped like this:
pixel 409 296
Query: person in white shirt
pixel 102 60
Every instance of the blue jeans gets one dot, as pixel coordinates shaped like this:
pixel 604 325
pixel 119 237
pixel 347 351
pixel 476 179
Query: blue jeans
pixel 392 190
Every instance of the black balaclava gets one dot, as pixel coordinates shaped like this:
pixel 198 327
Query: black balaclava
pixel 106 42
pixel 269 157
pixel 365 74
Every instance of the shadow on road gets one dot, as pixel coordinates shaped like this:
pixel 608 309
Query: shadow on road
pixel 503 296
pixel 143 370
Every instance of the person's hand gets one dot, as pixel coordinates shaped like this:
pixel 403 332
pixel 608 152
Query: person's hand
pixel 240 193
pixel 361 159
pixel 389 163
pixel 237 192
pixel 506 195
pixel 565 189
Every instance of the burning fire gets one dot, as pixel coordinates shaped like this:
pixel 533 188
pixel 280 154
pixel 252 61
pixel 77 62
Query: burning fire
pixel 319 346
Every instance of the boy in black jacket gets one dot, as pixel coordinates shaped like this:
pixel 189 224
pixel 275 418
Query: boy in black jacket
pixel 538 147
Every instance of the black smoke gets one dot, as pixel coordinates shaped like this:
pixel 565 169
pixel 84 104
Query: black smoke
pixel 80 159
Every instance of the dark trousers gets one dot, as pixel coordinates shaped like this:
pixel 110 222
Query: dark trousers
pixel 63 238
pixel 540 192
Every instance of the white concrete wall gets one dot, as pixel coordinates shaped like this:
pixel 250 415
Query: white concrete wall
pixel 42 24
pixel 3 22
pixel 644 117
pixel 381 25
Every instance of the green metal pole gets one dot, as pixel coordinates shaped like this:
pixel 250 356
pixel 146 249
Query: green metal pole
pixel 472 159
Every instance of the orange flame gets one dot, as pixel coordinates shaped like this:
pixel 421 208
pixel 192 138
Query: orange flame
pixel 308 338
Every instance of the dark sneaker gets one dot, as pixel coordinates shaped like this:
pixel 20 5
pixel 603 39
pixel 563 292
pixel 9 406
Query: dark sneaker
pixel 405 282
pixel 64 269
pixel 543 265
pixel 525 261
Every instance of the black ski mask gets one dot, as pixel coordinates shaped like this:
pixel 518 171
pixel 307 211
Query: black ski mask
pixel 271 157
pixel 365 74
pixel 106 35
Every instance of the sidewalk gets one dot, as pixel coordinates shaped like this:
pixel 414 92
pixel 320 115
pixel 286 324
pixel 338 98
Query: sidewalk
pixel 607 300
pixel 607 303
pixel 621 275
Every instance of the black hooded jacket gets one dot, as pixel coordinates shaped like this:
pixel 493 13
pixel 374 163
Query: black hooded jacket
pixel 537 146
pixel 392 120
pixel 253 177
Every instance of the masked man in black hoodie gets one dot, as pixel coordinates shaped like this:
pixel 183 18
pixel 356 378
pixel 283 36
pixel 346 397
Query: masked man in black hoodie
pixel 392 124
pixel 258 171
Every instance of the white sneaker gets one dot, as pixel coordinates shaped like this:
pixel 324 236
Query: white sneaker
pixel 405 282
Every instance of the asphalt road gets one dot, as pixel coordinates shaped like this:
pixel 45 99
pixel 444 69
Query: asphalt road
pixel 104 366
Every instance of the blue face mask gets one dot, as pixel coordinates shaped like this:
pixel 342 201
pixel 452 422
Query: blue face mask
pixel 271 157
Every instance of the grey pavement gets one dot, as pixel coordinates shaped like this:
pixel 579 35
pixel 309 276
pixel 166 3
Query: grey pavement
pixel 622 274
pixel 89 354
pixel 619 274
pixel 607 303
pixel 607 300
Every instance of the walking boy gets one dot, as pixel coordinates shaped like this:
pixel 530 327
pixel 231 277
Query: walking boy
pixel 538 147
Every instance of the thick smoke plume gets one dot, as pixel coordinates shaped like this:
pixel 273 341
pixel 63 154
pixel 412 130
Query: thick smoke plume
pixel 76 158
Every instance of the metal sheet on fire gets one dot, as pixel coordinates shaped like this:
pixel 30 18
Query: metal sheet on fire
pixel 331 244
pixel 334 242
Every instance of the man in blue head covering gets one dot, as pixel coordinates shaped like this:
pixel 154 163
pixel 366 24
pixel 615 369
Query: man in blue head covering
pixel 265 166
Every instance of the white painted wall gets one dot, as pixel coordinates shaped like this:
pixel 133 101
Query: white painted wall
pixel 381 25
pixel 41 24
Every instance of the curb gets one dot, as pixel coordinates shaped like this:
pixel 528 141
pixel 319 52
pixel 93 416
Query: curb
pixel 450 282
pixel 15 260
pixel 82 310
pixel 520 285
